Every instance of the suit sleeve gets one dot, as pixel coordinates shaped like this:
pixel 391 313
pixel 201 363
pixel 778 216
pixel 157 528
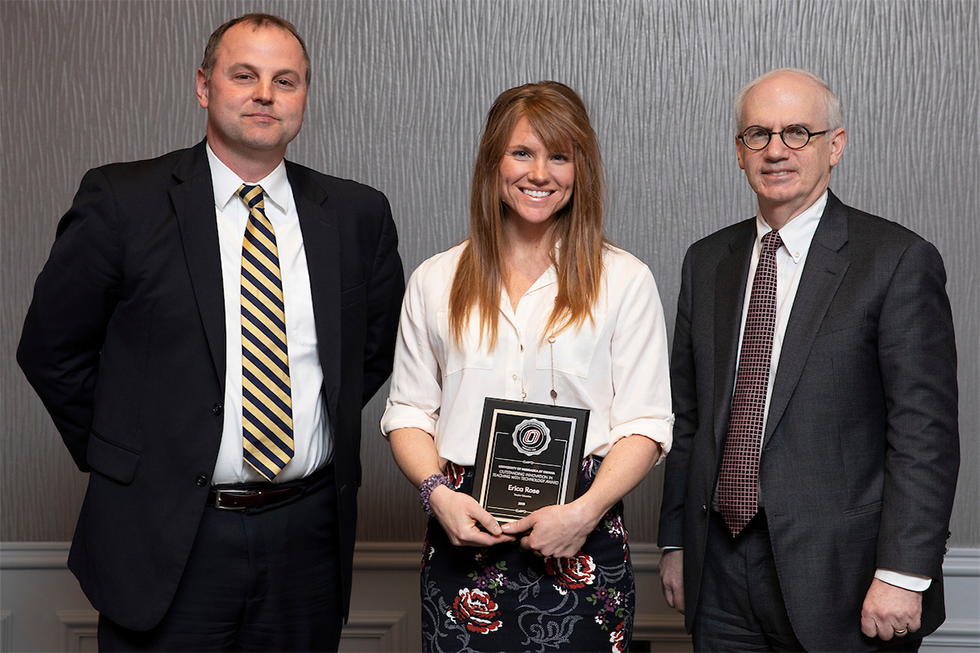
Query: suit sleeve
pixel 683 388
pixel 74 297
pixel 384 298
pixel 917 359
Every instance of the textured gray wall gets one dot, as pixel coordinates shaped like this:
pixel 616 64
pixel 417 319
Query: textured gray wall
pixel 399 93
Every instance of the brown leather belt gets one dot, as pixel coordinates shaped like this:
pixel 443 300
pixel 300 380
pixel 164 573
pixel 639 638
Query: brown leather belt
pixel 251 496
pixel 240 499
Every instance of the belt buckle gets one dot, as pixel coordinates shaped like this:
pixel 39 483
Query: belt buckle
pixel 218 493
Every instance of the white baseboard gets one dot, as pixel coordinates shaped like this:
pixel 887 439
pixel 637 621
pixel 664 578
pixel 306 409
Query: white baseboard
pixel 954 636
pixel 80 629
pixel 33 555
pixel 375 630
pixel 42 608
pixel 6 643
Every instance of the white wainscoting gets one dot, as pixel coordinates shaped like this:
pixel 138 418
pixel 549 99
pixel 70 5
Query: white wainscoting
pixel 5 630
pixel 43 609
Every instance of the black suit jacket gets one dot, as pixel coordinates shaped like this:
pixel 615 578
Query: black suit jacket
pixel 125 344
pixel 861 448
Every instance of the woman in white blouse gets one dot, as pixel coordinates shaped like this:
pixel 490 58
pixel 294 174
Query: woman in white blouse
pixel 534 306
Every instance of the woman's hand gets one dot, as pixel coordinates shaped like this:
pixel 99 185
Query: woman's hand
pixel 560 531
pixel 557 531
pixel 461 516
pixel 458 513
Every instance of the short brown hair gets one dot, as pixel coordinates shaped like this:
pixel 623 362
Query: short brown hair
pixel 257 21
pixel 558 116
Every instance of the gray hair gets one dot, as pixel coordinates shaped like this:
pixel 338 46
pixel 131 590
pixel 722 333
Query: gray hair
pixel 835 114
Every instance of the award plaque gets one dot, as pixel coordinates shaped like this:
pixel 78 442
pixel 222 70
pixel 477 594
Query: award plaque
pixel 529 457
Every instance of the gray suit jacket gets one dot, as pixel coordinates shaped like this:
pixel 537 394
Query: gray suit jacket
pixel 861 448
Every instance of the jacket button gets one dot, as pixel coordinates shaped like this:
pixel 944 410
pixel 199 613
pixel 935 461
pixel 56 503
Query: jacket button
pixel 216 409
pixel 202 480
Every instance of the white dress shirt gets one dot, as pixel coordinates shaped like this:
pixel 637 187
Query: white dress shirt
pixel 311 435
pixel 616 367
pixel 797 234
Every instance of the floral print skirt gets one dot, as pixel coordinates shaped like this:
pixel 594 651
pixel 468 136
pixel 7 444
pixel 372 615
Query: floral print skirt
pixel 504 598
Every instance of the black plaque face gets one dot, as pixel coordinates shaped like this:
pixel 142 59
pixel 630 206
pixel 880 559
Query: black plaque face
pixel 529 457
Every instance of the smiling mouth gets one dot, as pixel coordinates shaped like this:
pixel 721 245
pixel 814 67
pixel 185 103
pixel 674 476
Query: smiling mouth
pixel 537 194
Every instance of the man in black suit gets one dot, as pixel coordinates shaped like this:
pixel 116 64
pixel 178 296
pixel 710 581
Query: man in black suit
pixel 204 334
pixel 808 493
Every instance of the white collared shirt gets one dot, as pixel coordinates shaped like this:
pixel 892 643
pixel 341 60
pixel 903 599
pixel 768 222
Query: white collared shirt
pixel 797 234
pixel 617 367
pixel 311 429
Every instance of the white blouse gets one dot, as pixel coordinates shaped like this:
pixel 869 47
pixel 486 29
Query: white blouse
pixel 616 367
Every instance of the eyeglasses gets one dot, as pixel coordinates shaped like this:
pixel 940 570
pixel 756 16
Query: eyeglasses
pixel 794 136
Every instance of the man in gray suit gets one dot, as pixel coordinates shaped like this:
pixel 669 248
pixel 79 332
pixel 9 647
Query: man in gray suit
pixel 808 493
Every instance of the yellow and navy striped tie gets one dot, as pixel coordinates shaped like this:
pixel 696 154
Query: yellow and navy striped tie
pixel 267 407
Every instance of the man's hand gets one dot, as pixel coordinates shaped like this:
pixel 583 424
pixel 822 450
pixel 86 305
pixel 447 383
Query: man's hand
pixel 890 611
pixel 672 578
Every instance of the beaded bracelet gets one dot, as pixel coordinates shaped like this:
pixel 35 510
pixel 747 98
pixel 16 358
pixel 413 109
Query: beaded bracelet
pixel 426 488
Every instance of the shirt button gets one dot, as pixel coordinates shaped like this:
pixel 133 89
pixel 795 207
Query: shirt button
pixel 514 376
pixel 202 480
pixel 216 409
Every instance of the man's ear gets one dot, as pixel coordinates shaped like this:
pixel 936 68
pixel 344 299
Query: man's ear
pixel 202 88
pixel 837 142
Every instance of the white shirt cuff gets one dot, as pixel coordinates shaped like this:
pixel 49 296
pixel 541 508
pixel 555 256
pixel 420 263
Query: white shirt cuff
pixel 905 581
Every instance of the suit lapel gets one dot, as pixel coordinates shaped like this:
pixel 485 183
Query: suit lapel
pixel 822 275
pixel 193 200
pixel 322 245
pixel 730 284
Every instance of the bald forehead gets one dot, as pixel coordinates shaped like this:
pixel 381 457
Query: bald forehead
pixel 787 82
pixel 787 91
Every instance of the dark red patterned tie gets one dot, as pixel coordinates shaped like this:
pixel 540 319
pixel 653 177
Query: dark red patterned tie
pixel 738 482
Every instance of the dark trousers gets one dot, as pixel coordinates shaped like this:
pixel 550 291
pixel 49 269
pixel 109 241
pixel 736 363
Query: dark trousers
pixel 257 580
pixel 741 606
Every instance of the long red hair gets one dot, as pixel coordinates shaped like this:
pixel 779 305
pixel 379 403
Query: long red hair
pixel 558 116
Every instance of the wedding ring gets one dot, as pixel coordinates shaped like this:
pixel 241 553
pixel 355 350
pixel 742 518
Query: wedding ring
pixel 901 631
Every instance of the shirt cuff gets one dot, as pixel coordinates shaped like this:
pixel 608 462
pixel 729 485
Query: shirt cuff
pixel 398 416
pixel 660 430
pixel 911 582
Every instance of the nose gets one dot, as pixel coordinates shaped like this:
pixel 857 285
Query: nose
pixel 538 172
pixel 262 92
pixel 776 149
